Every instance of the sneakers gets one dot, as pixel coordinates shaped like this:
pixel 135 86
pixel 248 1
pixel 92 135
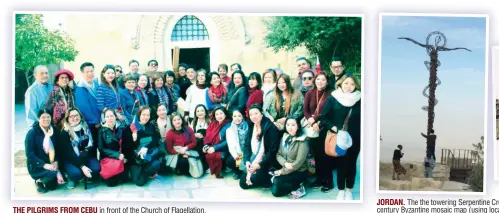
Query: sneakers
pixel 317 184
pixel 236 176
pixel 327 187
pixel 40 188
pixel 300 192
pixel 341 195
pixel 348 195
pixel 71 184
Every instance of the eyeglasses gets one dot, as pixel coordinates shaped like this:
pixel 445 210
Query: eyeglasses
pixel 336 67
pixel 118 70
pixel 153 65
pixel 74 116
pixel 308 78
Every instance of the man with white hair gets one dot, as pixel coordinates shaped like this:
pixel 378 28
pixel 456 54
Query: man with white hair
pixel 36 95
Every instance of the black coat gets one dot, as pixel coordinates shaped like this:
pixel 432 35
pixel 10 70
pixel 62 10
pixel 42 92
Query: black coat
pixel 271 138
pixel 238 98
pixel 36 156
pixel 334 114
pixel 109 142
pixel 66 152
pixel 131 148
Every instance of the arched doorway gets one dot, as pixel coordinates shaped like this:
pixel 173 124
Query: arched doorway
pixel 197 39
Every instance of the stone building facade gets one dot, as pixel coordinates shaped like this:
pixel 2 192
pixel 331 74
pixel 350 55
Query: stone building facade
pixel 118 38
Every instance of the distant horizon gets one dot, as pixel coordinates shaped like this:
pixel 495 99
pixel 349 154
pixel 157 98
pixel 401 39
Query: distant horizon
pixel 459 114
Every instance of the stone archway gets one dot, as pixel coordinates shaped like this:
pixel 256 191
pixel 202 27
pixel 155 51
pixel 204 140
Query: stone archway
pixel 220 28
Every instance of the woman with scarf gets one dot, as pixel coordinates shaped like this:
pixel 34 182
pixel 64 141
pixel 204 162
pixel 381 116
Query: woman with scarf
pixel 236 136
pixel 269 82
pixel 162 123
pixel 216 95
pixel 77 148
pixel 238 92
pixel 260 150
pixel 112 159
pixel 343 106
pixel 143 88
pixel 173 91
pixel 285 101
pixel 61 98
pixel 182 156
pixel 307 81
pixel 312 108
pixel 108 96
pixel 158 95
pixel 42 161
pixel 292 158
pixel 196 96
pixel 214 145
pixel 199 124
pixel 255 94
pixel 130 98
pixel 223 70
pixel 141 148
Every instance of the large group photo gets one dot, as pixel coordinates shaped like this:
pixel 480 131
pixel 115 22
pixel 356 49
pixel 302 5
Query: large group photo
pixel 187 107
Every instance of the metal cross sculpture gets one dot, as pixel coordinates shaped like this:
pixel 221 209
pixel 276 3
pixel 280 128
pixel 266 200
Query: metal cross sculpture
pixel 440 42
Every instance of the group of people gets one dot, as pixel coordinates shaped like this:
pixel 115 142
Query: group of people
pixel 128 127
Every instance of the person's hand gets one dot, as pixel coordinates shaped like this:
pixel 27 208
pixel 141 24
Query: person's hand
pixel 122 157
pixel 125 160
pixel 255 166
pixel 50 167
pixel 134 136
pixel 56 165
pixel 288 166
pixel 136 101
pixel 142 152
pixel 248 166
pixel 199 135
pixel 86 171
pixel 316 127
pixel 311 121
pixel 60 180
pixel 211 150
pixel 278 172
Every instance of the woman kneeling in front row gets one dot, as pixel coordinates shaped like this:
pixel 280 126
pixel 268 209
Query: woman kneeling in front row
pixel 291 157
pixel 260 149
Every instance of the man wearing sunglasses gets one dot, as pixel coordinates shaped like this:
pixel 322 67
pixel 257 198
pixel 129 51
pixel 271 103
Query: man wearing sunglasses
pixel 152 66
pixel 119 76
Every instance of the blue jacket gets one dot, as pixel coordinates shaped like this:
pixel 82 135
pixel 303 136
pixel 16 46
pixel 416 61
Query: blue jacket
pixel 86 102
pixel 127 102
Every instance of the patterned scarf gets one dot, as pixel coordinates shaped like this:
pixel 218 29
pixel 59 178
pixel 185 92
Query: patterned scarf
pixel 48 146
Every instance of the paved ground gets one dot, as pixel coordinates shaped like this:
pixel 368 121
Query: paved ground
pixel 170 186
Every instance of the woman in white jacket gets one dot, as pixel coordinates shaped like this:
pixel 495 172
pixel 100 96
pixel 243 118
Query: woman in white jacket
pixel 196 94
pixel 235 136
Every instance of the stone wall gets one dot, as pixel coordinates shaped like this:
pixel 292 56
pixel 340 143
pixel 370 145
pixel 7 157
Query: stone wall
pixel 416 170
pixel 108 39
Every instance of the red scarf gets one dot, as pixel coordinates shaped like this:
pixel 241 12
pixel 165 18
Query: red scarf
pixel 255 97
pixel 212 138
pixel 217 94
